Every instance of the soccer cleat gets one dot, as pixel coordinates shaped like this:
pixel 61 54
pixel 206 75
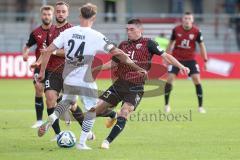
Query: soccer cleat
pixel 43 128
pixel 37 124
pixel 83 147
pixel 110 122
pixel 201 110
pixel 91 136
pixel 167 108
pixel 105 144
pixel 54 138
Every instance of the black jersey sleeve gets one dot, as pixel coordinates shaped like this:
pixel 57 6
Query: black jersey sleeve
pixel 31 41
pixel 173 37
pixel 154 48
pixel 199 37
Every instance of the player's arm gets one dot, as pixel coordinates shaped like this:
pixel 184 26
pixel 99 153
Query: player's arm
pixel 202 48
pixel 154 48
pixel 171 42
pixel 46 53
pixel 26 49
pixel 59 52
pixel 106 66
pixel 124 58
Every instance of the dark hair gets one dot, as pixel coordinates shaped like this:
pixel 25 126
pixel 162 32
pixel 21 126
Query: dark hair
pixel 135 21
pixel 88 10
pixel 62 3
pixel 188 13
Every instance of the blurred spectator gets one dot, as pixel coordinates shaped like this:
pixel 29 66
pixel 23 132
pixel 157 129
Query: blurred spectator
pixel 176 6
pixel 237 22
pixel 197 6
pixel 21 8
pixel 162 41
pixel 230 8
pixel 110 10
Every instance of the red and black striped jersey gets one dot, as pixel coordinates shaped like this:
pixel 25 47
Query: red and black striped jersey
pixel 40 37
pixel 185 42
pixel 56 63
pixel 141 52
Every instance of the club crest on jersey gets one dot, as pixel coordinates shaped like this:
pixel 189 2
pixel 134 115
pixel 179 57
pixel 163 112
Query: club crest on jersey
pixel 179 35
pixel 138 46
pixel 191 36
pixel 39 36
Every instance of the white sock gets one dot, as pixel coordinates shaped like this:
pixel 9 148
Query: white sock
pixel 52 118
pixel 86 128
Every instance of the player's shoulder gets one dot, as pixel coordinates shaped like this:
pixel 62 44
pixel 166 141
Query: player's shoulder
pixel 37 29
pixel 195 28
pixel 123 43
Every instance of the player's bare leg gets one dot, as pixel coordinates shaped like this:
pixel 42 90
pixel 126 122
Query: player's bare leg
pixel 123 115
pixel 104 109
pixel 168 87
pixel 39 105
pixel 197 82
pixel 51 99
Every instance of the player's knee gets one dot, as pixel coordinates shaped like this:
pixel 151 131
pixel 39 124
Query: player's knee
pixel 38 90
pixel 90 115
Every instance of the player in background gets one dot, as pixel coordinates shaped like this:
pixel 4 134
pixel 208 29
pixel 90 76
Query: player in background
pixel 38 37
pixel 81 43
pixel 129 86
pixel 183 41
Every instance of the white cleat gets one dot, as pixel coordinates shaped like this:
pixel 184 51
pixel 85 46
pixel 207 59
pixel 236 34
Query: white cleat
pixel 37 124
pixel 91 136
pixel 54 139
pixel 83 147
pixel 201 110
pixel 167 108
pixel 105 144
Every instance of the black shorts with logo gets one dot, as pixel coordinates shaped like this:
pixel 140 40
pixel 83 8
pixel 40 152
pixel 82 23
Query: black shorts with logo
pixel 123 91
pixel 53 81
pixel 191 64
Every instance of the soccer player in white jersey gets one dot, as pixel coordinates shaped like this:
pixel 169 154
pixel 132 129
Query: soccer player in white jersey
pixel 81 43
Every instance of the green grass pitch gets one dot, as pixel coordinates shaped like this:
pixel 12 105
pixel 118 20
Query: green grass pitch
pixel 213 136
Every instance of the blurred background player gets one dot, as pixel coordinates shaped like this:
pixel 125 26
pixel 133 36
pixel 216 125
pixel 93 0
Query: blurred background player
pixel 183 41
pixel 129 86
pixel 39 37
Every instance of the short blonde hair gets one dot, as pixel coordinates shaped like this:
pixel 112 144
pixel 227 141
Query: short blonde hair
pixel 88 10
pixel 46 8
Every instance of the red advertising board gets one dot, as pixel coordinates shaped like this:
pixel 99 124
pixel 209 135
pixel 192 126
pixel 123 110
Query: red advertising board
pixel 224 66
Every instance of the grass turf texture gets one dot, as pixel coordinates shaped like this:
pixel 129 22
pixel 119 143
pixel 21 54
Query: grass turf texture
pixel 212 136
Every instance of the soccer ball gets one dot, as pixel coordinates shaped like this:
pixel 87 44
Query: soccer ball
pixel 66 139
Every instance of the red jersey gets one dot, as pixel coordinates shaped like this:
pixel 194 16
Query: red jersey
pixel 39 36
pixel 56 63
pixel 185 42
pixel 141 52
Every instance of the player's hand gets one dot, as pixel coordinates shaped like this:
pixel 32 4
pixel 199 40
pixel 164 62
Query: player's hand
pixel 25 57
pixel 205 66
pixel 41 76
pixel 35 65
pixel 144 73
pixel 184 70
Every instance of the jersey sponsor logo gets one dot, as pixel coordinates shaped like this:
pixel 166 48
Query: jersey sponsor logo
pixel 191 36
pixel 138 46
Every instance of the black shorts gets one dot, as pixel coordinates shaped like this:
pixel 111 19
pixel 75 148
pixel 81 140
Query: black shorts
pixel 192 65
pixel 123 91
pixel 35 76
pixel 54 81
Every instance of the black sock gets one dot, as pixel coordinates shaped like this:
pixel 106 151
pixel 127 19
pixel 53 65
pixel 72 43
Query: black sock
pixel 55 125
pixel 108 113
pixel 167 90
pixel 59 99
pixel 117 128
pixel 39 105
pixel 199 94
pixel 78 115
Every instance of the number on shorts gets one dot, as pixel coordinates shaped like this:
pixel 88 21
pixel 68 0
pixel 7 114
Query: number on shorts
pixel 47 84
